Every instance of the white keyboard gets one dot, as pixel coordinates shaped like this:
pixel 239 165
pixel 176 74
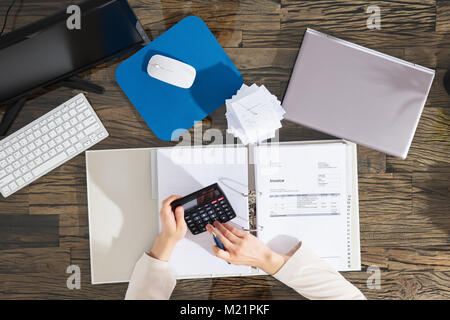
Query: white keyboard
pixel 48 142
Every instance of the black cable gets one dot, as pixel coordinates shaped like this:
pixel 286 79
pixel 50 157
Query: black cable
pixel 6 16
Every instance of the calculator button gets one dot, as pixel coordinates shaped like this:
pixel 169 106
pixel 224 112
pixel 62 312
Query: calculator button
pixel 231 215
pixel 223 218
pixel 220 199
pixel 196 218
pixel 206 219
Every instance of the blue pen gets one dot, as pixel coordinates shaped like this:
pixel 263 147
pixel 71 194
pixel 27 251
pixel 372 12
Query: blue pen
pixel 218 243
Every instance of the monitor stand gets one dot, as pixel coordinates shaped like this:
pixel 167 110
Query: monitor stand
pixel 81 84
pixel 12 111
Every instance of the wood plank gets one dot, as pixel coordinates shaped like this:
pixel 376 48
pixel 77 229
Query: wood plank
pixel 28 231
pixel 431 201
pixel 417 258
pixel 34 260
pixel 370 161
pixel 386 214
pixel 404 285
pixel 396 16
pixel 214 16
pixel 443 16
pixel 373 39
pixel 16 203
pixel 257 287
pixel 53 286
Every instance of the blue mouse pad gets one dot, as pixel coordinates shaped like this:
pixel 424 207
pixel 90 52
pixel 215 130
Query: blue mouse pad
pixel 170 110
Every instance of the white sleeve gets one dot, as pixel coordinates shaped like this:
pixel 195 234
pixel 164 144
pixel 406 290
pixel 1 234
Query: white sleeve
pixel 151 279
pixel 313 278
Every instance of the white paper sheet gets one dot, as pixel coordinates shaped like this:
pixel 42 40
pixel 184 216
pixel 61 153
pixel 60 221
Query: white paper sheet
pixel 185 170
pixel 304 194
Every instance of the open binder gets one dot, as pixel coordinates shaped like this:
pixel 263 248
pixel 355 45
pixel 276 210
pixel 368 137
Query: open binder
pixel 126 187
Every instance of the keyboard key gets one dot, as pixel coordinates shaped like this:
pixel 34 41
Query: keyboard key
pixel 71 151
pixel 20 181
pixel 6 191
pixel 91 129
pixel 81 107
pixel 52 152
pixel 50 164
pixel 6 180
pixel 28 177
pixel 12 186
pixel 89 121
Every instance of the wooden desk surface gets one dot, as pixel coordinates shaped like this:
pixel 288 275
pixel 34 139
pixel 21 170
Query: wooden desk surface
pixel 404 204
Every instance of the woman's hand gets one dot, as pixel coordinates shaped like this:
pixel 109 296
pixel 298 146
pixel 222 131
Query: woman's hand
pixel 243 248
pixel 173 229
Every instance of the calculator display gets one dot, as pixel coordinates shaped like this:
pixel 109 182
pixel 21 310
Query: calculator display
pixel 203 207
pixel 189 204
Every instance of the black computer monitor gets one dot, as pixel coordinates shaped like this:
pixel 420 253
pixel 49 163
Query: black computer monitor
pixel 47 51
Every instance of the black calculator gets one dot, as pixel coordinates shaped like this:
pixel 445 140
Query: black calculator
pixel 205 206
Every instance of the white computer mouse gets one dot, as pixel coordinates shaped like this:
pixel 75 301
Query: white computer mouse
pixel 171 71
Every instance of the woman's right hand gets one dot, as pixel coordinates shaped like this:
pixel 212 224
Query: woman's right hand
pixel 242 248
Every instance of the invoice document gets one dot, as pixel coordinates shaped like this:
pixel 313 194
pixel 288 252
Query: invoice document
pixel 304 192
